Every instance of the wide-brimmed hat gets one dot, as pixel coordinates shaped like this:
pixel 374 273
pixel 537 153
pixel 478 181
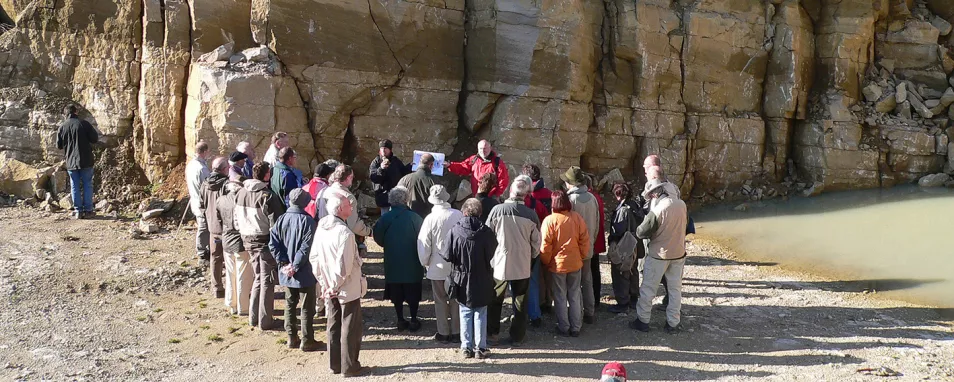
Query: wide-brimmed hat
pixel 574 175
pixel 651 186
pixel 438 195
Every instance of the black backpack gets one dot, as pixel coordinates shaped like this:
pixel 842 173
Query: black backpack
pixel 496 162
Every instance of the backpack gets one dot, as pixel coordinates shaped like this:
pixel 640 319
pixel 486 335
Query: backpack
pixel 623 253
pixel 496 162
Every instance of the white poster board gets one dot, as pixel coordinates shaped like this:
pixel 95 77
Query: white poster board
pixel 438 162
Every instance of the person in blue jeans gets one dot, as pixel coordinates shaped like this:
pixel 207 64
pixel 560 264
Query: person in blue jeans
pixel 469 249
pixel 534 313
pixel 76 138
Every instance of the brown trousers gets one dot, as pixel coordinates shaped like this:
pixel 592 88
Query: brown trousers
pixel 216 264
pixel 344 335
pixel 261 310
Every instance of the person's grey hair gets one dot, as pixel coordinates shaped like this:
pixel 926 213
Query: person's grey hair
pixel 342 171
pixel 398 196
pixel 472 208
pixel 220 164
pixel 242 146
pixel 332 163
pixel 334 204
pixel 520 187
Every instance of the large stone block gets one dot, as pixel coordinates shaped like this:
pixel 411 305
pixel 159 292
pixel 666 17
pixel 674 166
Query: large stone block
pixel 225 107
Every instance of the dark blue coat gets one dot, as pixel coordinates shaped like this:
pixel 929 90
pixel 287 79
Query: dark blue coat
pixel 290 243
pixel 468 249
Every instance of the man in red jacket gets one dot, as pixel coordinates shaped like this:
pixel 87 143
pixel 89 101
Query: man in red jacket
pixel 475 166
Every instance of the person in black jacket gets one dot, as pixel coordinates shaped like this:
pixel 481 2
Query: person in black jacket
pixel 486 183
pixel 629 215
pixel 76 138
pixel 469 249
pixel 385 172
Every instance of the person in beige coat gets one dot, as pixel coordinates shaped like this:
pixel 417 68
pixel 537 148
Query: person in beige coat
pixel 337 266
pixel 430 242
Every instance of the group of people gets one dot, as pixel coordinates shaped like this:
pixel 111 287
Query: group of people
pixel 259 223
pixel 538 245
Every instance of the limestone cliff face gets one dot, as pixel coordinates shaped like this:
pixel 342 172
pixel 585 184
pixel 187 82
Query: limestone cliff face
pixel 840 94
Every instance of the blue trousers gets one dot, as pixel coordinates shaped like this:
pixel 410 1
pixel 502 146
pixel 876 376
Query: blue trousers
pixel 533 292
pixel 473 328
pixel 81 188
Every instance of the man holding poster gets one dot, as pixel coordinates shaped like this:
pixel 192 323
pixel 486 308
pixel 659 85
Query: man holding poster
pixel 485 161
pixel 419 185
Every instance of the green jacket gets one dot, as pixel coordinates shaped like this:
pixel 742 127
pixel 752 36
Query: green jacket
pixel 397 231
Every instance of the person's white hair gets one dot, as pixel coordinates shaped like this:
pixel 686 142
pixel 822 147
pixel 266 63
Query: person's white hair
pixel 398 196
pixel 520 187
pixel 334 204
pixel 242 146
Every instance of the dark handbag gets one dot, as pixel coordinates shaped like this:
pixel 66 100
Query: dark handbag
pixel 690 226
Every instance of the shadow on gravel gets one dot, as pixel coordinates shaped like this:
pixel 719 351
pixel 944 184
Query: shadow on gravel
pixel 637 370
pixel 849 286
pixel 716 261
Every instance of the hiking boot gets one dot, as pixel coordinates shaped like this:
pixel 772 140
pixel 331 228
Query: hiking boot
pixel 619 308
pixel 76 215
pixel 639 325
pixel 455 338
pixel 515 343
pixel 467 353
pixel 220 294
pixel 536 323
pixel 590 320
pixel 672 329
pixel 414 326
pixel 88 215
pixel 482 354
pixel 294 342
pixel 310 345
pixel 561 333
pixel 441 338
pixel 574 333
pixel 402 325
pixel 357 372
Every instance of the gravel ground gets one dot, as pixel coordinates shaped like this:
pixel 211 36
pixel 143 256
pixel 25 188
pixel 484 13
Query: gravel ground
pixel 84 300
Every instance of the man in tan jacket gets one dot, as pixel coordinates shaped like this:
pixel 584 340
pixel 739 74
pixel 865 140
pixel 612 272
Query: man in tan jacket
pixel 665 228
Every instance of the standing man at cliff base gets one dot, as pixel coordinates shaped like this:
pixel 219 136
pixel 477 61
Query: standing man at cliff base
pixel 257 208
pixel 665 228
pixel 586 205
pixel 290 242
pixel 419 185
pixel 285 177
pixel 334 255
pixel 75 138
pixel 385 172
pixel 518 236
pixel 485 161
pixel 246 148
pixel 279 141
pixel 196 172
pixel 212 189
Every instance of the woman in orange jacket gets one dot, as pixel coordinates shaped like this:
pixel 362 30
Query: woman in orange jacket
pixel 565 242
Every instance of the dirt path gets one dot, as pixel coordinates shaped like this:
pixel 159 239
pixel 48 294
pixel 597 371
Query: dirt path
pixel 82 300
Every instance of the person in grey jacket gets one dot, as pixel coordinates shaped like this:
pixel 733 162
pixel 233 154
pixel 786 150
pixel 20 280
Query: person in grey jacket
pixel 290 243
pixel 517 228
pixel 585 204
pixel 257 208
pixel 665 228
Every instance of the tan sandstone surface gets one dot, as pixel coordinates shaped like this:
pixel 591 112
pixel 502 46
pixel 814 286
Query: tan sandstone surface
pixel 825 95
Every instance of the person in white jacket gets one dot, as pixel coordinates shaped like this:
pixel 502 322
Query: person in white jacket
pixel 430 243
pixel 337 266
pixel 196 172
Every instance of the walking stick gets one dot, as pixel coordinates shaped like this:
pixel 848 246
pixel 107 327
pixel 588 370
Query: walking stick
pixel 182 220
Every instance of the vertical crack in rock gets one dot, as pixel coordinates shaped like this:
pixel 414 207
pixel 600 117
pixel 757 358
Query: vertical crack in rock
pixel 682 12
pixel 185 86
pixel 386 42
pixel 464 134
